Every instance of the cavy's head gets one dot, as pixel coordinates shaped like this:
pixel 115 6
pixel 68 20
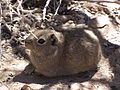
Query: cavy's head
pixel 45 42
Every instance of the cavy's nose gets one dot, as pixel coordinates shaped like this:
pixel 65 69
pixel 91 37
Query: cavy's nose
pixel 41 41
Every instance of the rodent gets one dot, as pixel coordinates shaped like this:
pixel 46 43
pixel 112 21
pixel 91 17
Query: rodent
pixel 64 52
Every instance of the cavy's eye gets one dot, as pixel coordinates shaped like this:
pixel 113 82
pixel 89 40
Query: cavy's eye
pixel 41 41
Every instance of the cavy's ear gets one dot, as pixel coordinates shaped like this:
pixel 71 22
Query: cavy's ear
pixel 53 39
pixel 28 41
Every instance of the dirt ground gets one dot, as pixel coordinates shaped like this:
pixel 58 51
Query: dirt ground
pixel 19 18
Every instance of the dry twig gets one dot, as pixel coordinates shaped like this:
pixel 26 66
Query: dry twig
pixel 45 9
pixel 58 8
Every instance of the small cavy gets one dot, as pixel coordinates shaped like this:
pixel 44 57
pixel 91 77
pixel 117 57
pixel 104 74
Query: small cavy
pixel 65 52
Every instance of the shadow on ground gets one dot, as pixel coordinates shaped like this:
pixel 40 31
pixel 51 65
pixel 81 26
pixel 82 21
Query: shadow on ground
pixel 40 79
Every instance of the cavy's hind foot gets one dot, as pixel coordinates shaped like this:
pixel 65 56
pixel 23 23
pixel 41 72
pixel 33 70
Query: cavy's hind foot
pixel 29 69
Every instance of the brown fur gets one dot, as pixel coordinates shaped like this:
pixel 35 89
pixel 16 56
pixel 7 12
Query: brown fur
pixel 63 52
